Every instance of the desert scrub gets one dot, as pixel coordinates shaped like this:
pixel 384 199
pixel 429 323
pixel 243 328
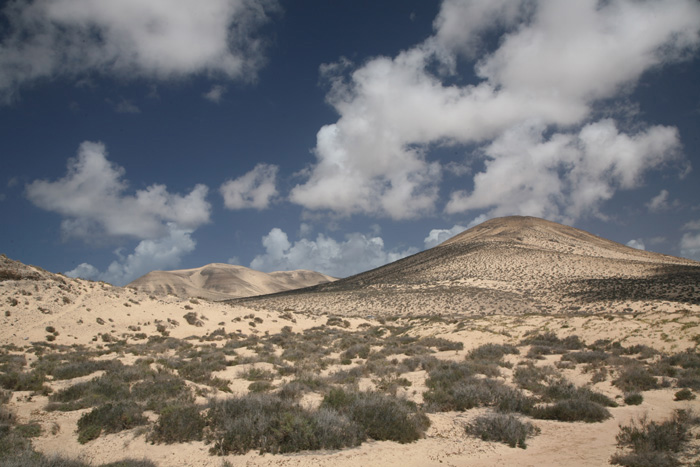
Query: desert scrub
pixel 178 423
pixel 635 378
pixel 473 392
pixel 267 423
pixel 160 390
pixel 191 318
pixel 684 394
pixel 654 443
pixel 572 410
pixel 381 417
pixel 492 352
pixel 502 428
pixel 552 342
pixel 633 398
pixel 109 418
pixel 256 374
pixel 440 343
pixel 24 381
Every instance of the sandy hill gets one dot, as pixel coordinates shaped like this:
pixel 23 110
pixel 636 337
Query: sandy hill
pixel 508 265
pixel 220 281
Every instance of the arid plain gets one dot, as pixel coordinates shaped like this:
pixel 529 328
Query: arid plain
pixel 517 342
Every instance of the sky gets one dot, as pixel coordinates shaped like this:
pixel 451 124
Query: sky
pixel 340 135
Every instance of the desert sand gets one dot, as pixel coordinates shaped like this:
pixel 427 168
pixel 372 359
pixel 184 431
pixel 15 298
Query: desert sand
pixel 499 283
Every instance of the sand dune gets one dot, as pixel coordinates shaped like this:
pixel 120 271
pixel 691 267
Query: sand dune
pixel 219 281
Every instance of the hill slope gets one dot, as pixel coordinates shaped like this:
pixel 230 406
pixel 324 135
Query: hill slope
pixel 509 265
pixel 220 281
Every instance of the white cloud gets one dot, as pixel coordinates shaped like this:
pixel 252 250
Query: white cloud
pixel 563 176
pixel 637 243
pixel 437 236
pixel 91 197
pixel 553 61
pixel 659 202
pixel 157 39
pixel 357 253
pixel 256 189
pixel 160 254
pixel 215 94
pixel 690 242
pixel 125 106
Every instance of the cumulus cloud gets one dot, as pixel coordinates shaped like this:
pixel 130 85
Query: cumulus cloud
pixel 565 175
pixel 131 38
pixel 256 189
pixel 637 243
pixel 690 242
pixel 215 94
pixel 355 254
pixel 125 106
pixel 92 199
pixel 159 254
pixel 437 236
pixel 660 202
pixel 553 62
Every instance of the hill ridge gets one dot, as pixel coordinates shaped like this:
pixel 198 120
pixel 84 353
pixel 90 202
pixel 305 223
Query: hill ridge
pixel 511 265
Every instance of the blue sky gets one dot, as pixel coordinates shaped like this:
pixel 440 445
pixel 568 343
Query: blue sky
pixel 338 136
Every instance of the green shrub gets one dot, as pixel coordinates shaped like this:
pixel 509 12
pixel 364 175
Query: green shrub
pixel 260 386
pixel 109 418
pixel 654 443
pixel 269 424
pixel 23 381
pixel 635 378
pixel 29 430
pixel 161 389
pixel 684 395
pixel 492 352
pixel 178 424
pixel 585 356
pixel 572 410
pixel 381 417
pixel 502 428
pixel 471 392
pixel 633 398
pixel 440 343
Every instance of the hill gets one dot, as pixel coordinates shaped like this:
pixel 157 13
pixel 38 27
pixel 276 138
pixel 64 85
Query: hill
pixel 508 265
pixel 220 281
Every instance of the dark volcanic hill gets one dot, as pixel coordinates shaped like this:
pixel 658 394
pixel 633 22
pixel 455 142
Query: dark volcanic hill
pixel 508 265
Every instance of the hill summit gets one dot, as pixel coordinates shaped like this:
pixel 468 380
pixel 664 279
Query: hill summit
pixel 509 265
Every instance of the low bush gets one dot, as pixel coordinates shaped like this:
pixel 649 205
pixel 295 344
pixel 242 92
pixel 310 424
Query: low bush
pixel 654 443
pixel 178 424
pixel 635 378
pixel 502 428
pixel 684 394
pixel 109 418
pixel 381 417
pixel 440 343
pixel 470 392
pixel 572 410
pixel 267 423
pixel 492 352
pixel 633 398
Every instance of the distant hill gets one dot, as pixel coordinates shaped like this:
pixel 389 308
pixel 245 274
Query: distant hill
pixel 508 265
pixel 218 281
